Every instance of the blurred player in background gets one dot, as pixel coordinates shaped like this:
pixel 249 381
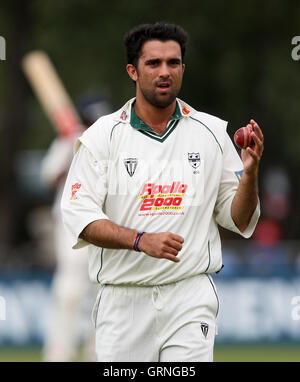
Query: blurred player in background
pixel 71 287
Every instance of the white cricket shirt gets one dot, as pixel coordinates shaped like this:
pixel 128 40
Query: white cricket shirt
pixel 183 182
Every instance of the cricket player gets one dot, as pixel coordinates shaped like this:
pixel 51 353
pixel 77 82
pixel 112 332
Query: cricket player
pixel 146 191
pixel 71 287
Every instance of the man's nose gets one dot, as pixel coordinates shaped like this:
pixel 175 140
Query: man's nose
pixel 164 71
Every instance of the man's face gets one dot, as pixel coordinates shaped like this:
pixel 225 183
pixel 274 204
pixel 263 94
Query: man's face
pixel 159 72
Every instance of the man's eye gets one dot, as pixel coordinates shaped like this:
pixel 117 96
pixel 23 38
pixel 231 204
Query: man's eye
pixel 152 63
pixel 174 62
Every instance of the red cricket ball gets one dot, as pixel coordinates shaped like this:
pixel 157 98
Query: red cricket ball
pixel 242 137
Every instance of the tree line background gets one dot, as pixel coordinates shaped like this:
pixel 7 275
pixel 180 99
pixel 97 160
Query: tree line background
pixel 238 66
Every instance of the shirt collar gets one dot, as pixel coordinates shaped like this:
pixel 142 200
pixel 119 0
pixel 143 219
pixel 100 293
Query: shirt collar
pixel 138 124
pixel 127 114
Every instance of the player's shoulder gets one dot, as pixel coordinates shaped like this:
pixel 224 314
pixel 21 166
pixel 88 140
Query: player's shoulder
pixel 209 120
pixel 102 127
pixel 214 125
pixel 110 121
pixel 105 122
pixel 98 135
pixel 199 116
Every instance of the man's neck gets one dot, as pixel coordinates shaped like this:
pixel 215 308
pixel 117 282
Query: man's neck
pixel 155 117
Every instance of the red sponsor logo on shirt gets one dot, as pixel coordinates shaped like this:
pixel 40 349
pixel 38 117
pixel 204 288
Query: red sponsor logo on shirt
pixel 162 196
pixel 185 111
pixel 75 188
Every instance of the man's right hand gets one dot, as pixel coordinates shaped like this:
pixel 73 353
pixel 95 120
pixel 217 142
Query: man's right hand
pixel 163 245
pixel 106 234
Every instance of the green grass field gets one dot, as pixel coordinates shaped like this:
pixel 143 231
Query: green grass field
pixel 257 353
pixel 223 353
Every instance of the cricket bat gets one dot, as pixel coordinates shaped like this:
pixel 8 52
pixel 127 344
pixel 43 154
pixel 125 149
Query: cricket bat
pixel 51 93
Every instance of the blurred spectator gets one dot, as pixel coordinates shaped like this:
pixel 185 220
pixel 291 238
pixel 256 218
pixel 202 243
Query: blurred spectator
pixel 276 194
pixel 267 254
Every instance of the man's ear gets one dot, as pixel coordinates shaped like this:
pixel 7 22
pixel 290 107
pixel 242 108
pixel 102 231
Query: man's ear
pixel 132 72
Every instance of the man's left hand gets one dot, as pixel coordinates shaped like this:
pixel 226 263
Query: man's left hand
pixel 251 155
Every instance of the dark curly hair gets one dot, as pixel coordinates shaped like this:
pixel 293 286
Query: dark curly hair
pixel 135 39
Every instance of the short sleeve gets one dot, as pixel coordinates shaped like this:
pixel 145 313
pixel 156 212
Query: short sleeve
pixel 231 174
pixel 84 194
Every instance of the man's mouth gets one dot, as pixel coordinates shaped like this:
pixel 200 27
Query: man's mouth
pixel 163 87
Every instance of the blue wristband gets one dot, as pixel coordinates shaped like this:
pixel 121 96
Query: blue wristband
pixel 136 248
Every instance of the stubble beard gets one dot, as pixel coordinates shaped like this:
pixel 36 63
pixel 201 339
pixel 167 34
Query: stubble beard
pixel 160 101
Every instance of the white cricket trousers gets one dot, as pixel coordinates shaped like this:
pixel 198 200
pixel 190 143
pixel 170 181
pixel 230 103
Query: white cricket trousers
pixel 166 323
